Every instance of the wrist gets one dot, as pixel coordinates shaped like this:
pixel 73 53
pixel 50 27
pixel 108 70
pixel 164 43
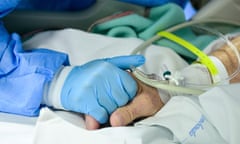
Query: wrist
pixel 229 58
pixel 222 70
pixel 52 95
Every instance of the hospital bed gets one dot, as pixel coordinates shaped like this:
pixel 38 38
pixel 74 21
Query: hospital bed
pixel 20 129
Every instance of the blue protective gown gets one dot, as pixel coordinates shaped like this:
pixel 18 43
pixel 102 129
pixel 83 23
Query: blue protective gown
pixel 23 74
pixel 56 5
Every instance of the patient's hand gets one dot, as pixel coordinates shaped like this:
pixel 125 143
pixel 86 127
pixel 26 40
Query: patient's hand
pixel 146 103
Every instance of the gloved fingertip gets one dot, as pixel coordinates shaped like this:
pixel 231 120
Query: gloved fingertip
pixel 16 37
pixel 100 115
pixel 126 62
pixel 140 59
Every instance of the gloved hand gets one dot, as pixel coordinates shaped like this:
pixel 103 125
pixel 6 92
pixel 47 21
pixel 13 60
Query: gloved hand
pixel 99 87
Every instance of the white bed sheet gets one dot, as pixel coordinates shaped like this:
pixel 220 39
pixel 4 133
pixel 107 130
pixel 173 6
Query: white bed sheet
pixel 16 129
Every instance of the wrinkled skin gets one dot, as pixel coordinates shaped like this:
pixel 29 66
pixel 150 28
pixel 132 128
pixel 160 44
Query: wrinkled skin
pixel 229 59
pixel 146 103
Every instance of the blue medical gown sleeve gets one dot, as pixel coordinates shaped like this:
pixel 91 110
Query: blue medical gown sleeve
pixel 7 6
pixel 56 5
pixel 23 74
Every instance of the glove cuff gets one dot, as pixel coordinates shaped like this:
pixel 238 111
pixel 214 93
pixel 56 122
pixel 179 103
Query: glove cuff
pixel 52 96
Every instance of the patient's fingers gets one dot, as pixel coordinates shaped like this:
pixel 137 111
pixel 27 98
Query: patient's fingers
pixel 91 123
pixel 146 103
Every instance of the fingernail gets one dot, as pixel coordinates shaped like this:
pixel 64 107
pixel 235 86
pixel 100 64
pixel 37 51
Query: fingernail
pixel 116 120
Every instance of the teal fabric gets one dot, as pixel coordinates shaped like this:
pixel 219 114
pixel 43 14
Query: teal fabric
pixel 159 19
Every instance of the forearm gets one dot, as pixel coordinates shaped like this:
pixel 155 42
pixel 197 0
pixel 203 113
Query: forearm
pixel 229 59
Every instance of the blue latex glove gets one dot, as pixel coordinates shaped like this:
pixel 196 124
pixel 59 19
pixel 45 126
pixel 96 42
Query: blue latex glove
pixel 99 87
pixel 152 3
